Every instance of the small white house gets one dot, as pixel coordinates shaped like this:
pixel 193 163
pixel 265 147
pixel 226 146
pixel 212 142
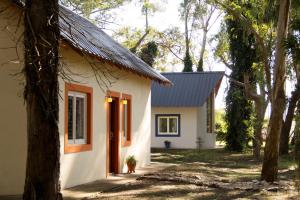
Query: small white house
pixel 184 113
pixel 102 119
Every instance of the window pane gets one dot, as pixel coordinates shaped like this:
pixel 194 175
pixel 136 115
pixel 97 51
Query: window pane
pixel 163 125
pixel 70 118
pixel 80 118
pixel 125 114
pixel 173 124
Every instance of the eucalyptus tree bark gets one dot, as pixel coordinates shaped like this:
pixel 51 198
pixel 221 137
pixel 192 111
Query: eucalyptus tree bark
pixel 203 46
pixel 297 146
pixel 260 109
pixel 206 26
pixel 187 61
pixel 287 124
pixel 270 162
pixel 41 40
pixel 147 31
pixel 186 28
pixel 260 106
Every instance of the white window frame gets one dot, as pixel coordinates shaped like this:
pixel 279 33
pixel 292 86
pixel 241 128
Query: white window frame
pixel 74 140
pixel 168 125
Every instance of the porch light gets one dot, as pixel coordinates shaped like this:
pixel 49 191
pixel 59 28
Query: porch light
pixel 124 101
pixel 109 99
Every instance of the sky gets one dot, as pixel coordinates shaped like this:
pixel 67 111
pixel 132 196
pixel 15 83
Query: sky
pixel 168 16
pixel 130 15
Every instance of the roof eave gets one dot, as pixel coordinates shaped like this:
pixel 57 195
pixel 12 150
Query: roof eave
pixel 164 82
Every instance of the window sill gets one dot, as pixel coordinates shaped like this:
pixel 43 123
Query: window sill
pixel 160 135
pixel 78 148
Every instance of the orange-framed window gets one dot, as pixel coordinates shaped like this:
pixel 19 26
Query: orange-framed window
pixel 126 104
pixel 78 118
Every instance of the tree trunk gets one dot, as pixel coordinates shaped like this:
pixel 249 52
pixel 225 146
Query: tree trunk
pixel 286 127
pixel 203 45
pixel 147 31
pixel 260 109
pixel 270 163
pixel 41 40
pixel 297 147
pixel 297 136
pixel 139 42
pixel 186 29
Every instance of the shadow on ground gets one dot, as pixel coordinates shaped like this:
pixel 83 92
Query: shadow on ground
pixel 207 165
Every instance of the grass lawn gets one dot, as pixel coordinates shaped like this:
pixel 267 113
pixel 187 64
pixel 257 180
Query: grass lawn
pixel 234 170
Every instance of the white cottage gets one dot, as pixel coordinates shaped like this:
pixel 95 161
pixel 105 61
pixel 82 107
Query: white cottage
pixel 99 126
pixel 183 115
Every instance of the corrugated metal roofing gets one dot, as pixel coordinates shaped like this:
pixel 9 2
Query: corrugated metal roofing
pixel 189 89
pixel 85 36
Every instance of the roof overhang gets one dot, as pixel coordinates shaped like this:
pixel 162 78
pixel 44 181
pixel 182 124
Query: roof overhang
pixel 80 39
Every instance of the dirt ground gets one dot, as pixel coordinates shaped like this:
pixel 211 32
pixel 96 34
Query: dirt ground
pixel 207 174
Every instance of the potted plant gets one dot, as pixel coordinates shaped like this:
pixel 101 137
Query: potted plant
pixel 167 144
pixel 131 163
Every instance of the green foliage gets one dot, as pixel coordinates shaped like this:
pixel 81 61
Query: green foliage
pixel 167 41
pixel 221 125
pixel 88 7
pixel 238 108
pixel 97 11
pixel 297 148
pixel 148 7
pixel 293 40
pixel 188 64
pixel 128 36
pixel 238 115
pixel 200 66
pixel 198 20
pixel 131 160
pixel 149 52
pixel 221 51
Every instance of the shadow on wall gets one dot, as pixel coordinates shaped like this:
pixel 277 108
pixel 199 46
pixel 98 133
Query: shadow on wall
pixel 140 146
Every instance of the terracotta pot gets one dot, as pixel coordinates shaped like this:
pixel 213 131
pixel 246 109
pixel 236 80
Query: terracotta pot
pixel 131 168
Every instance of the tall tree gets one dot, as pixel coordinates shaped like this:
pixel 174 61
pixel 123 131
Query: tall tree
pixel 238 106
pixel 148 8
pixel 257 20
pixel 287 123
pixel 41 40
pixel 293 47
pixel 197 17
pixel 205 11
pixel 270 163
pixel 297 145
pixel 186 14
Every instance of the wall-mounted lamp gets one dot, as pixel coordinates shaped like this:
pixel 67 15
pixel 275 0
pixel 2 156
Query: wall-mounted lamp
pixel 124 101
pixel 109 99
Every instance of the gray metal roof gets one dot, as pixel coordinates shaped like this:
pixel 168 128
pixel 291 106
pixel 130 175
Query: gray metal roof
pixel 189 89
pixel 85 36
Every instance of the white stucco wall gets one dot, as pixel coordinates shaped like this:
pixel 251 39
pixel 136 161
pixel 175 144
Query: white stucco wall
pixel 12 110
pixel 208 139
pixel 193 125
pixel 188 123
pixel 76 168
